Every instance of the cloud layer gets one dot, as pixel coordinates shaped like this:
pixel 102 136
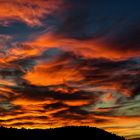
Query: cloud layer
pixel 75 64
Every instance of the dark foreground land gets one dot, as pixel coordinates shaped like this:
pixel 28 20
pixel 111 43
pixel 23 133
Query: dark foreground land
pixel 66 133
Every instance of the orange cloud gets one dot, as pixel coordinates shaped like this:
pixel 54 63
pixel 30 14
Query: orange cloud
pixel 87 48
pixel 77 102
pixel 53 73
pixel 7 82
pixel 27 11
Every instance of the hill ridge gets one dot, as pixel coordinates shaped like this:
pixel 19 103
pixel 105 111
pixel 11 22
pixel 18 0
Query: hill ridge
pixel 70 132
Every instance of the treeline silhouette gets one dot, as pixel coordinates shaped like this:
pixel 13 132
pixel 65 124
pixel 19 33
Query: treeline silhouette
pixel 71 132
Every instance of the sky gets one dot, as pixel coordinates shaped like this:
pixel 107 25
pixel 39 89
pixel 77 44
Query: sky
pixel 70 62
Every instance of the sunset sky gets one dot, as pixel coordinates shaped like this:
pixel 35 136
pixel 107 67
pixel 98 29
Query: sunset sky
pixel 70 62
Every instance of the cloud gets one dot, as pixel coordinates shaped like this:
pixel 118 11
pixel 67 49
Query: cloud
pixel 55 72
pixel 26 11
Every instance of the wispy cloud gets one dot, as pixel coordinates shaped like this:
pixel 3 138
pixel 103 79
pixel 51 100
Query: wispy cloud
pixel 26 11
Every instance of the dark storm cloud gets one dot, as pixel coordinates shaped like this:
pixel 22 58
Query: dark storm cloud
pixel 80 22
pixel 101 20
pixel 127 39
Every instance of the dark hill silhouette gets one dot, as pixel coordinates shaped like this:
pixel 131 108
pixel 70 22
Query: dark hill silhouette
pixel 72 132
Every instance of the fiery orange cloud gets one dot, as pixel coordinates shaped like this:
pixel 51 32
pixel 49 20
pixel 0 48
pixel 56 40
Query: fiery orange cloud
pixel 26 11
pixel 91 48
pixel 27 102
pixel 77 103
pixel 48 74
pixel 23 51
pixel 4 91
